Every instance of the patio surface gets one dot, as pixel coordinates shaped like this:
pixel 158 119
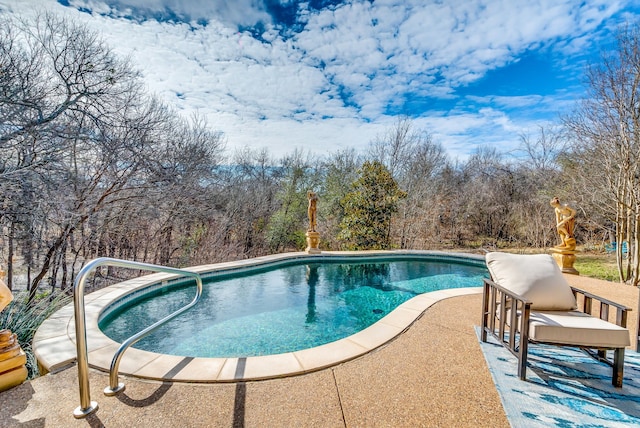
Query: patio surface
pixel 434 374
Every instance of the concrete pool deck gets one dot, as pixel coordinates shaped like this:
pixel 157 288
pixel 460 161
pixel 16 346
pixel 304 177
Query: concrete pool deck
pixel 433 374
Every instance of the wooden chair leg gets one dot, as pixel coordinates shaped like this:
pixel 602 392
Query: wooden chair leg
pixel 618 367
pixel 485 313
pixel 523 352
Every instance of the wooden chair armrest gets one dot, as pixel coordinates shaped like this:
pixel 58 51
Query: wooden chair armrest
pixel 509 293
pixel 587 306
pixel 600 299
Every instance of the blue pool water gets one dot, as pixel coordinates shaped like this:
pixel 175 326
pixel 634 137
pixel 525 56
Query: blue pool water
pixel 283 309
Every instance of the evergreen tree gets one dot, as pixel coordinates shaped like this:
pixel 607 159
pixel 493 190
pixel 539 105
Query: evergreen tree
pixel 368 209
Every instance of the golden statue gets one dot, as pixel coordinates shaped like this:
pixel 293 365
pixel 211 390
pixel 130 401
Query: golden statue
pixel 12 358
pixel 311 211
pixel 565 253
pixel 5 295
pixel 565 224
pixel 313 237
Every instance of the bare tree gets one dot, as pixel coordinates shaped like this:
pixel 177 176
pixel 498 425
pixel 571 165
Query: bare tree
pixel 542 179
pixel 416 162
pixel 606 136
pixel 396 145
pixel 58 86
pixel 542 154
pixel 52 66
pixel 92 164
pixel 249 202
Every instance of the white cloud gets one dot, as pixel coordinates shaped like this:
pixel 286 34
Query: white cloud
pixel 330 85
pixel 236 12
pixel 395 45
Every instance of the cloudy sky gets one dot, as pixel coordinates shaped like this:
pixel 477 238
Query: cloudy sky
pixel 322 75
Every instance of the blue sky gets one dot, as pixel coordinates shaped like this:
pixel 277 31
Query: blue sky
pixel 322 75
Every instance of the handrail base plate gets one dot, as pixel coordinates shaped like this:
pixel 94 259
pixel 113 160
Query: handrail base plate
pixel 80 413
pixel 110 392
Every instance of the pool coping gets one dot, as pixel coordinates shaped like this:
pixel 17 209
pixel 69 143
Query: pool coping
pixel 54 343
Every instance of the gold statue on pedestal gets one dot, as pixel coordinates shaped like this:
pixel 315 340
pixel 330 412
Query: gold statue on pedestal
pixel 12 358
pixel 565 252
pixel 5 294
pixel 313 237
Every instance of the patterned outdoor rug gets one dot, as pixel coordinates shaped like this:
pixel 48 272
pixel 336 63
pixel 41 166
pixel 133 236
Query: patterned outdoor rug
pixel 564 388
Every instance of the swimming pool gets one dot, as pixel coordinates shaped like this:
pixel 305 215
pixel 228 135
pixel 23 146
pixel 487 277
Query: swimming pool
pixel 55 346
pixel 284 308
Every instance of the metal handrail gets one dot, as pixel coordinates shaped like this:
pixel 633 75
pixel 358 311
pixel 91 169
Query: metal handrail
pixel 86 405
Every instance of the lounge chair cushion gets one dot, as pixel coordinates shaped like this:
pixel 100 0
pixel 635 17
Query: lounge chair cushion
pixel 576 328
pixel 535 277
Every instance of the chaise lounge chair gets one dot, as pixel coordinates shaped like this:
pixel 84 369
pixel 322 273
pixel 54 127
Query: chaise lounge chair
pixel 528 300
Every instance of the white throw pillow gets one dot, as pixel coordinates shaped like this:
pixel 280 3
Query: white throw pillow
pixel 536 277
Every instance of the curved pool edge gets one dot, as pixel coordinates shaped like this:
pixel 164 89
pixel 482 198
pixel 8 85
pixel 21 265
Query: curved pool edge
pixel 55 349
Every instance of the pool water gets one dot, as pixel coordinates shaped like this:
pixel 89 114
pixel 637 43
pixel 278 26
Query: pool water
pixel 283 309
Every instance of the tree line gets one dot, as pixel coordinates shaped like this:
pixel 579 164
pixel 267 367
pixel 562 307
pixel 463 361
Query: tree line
pixel 93 165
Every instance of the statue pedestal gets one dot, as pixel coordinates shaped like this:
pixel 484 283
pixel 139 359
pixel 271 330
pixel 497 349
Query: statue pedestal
pixel 565 260
pixel 12 361
pixel 313 240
